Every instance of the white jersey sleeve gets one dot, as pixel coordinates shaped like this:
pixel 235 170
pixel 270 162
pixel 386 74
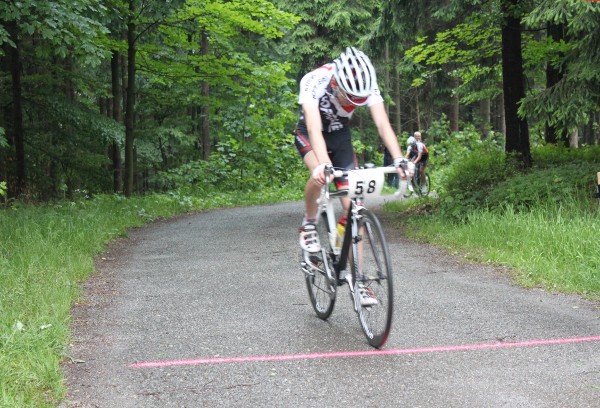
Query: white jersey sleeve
pixel 314 84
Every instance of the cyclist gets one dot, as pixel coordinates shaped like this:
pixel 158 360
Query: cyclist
pixel 328 97
pixel 417 153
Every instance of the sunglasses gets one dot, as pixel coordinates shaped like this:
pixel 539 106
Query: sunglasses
pixel 354 100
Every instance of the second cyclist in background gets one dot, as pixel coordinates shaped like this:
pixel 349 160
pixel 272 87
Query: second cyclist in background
pixel 417 153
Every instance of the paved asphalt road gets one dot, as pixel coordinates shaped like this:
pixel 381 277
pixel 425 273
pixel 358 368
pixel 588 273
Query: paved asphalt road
pixel 226 285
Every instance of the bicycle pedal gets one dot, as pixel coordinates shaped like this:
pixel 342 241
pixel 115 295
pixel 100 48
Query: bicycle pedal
pixel 306 269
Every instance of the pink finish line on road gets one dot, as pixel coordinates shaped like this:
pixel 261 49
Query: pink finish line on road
pixel 342 354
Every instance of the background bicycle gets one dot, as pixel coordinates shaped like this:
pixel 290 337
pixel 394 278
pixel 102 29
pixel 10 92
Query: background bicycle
pixel 418 188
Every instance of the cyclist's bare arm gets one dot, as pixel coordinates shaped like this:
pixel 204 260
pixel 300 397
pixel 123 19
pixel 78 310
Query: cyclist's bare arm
pixel 312 117
pixel 386 133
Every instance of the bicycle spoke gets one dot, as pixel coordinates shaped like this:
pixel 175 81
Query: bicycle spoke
pixel 374 274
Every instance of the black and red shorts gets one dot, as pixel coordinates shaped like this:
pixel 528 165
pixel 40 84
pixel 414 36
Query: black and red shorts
pixel 339 149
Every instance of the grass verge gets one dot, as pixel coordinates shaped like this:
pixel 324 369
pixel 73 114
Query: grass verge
pixel 45 253
pixel 551 245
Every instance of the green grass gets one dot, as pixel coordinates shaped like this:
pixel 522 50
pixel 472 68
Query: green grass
pixel 45 253
pixel 551 245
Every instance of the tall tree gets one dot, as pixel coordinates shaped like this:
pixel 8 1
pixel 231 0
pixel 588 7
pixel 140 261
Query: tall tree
pixel 130 99
pixel 61 29
pixel 16 137
pixel 326 28
pixel 116 96
pixel 513 82
pixel 570 99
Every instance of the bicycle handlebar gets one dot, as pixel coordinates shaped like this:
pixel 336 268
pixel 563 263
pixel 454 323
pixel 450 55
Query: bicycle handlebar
pixel 361 182
pixel 330 170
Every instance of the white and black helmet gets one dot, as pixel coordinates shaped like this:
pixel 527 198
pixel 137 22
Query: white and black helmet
pixel 354 73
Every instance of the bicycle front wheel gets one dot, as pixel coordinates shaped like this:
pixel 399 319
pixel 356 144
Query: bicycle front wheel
pixel 319 274
pixel 372 271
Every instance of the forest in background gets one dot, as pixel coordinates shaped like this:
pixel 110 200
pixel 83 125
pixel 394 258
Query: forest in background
pixel 130 96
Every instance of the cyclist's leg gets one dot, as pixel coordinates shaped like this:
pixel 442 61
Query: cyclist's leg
pixel 311 190
pixel 309 239
pixel 315 261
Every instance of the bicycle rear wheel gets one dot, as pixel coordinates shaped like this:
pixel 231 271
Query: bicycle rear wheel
pixel 415 185
pixel 425 191
pixel 371 267
pixel 320 275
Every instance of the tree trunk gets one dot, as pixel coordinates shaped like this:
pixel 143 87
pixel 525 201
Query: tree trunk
pixel 114 149
pixel 398 101
pixel 129 110
pixel 485 115
pixel 553 76
pixel 417 112
pixel 454 109
pixel 500 119
pixel 386 74
pixel 517 131
pixel 204 110
pixel 15 132
pixel 574 139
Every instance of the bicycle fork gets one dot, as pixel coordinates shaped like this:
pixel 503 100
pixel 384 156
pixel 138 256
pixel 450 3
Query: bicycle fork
pixel 355 253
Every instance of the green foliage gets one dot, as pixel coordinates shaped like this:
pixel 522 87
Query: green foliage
pixel 448 148
pixel 325 29
pixel 238 165
pixel 233 60
pixel 249 106
pixel 543 222
pixel 3 141
pixel 467 52
pixel 559 176
pixel 468 181
pixel 69 142
pixel 258 144
pixel 551 156
pixel 64 27
pixel 560 184
pixel 552 245
pixel 570 102
pixel 482 176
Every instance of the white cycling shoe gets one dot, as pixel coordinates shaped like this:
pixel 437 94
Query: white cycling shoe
pixel 367 297
pixel 309 239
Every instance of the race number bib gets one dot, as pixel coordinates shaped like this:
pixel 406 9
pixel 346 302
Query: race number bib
pixel 365 182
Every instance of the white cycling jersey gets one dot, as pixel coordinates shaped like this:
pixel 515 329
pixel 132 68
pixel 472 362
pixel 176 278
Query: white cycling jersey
pixel 421 148
pixel 316 87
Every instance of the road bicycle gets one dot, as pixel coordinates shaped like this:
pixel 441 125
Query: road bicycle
pixel 416 185
pixel 360 258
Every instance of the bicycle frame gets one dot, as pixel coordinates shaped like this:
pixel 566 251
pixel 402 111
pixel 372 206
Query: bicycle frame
pixel 362 253
pixel 325 205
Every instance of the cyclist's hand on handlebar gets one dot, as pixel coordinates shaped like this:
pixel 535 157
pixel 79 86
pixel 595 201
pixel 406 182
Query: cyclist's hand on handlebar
pixel 405 167
pixel 318 173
